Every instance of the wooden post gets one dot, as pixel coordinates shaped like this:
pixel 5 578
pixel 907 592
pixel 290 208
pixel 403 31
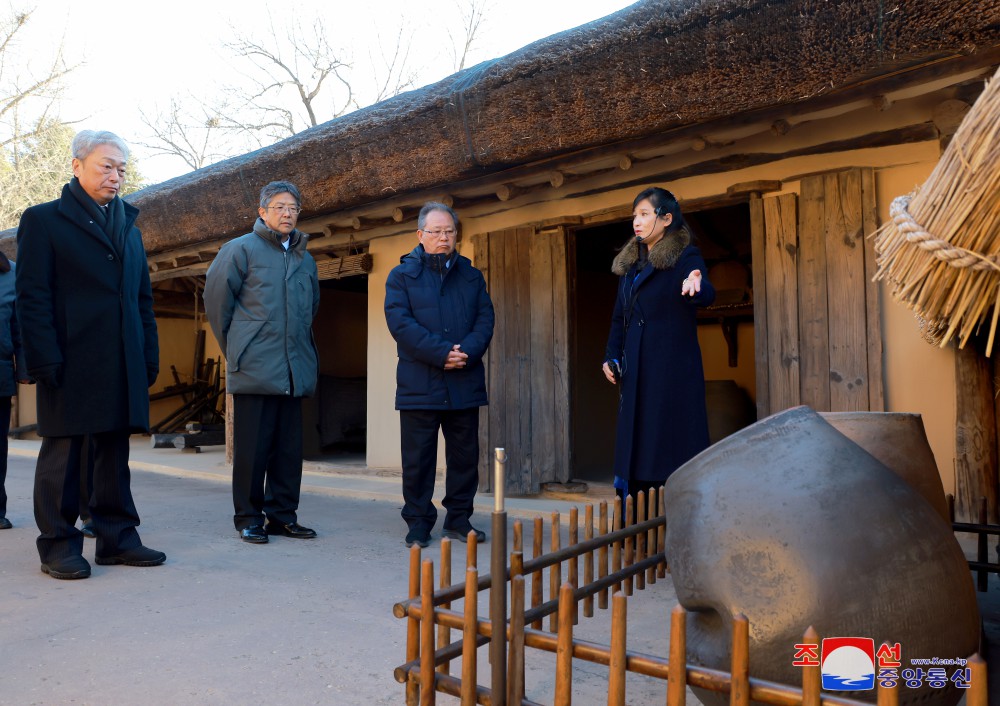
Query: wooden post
pixel 812 676
pixel 651 535
pixel 427 691
pixel 413 626
pixel 640 539
pixel 978 693
pixel 564 648
pixel 975 434
pixel 498 607
pixel 616 550
pixel 555 571
pixel 677 660
pixel 602 554
pixel 515 659
pixel 470 630
pixel 444 632
pixel 573 575
pixel 629 542
pixel 740 669
pixel 616 669
pixel 588 559
pixel 537 587
pixel 661 538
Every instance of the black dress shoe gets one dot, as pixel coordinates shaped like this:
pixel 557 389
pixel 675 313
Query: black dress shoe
pixel 88 529
pixel 418 536
pixel 137 556
pixel 293 529
pixel 462 535
pixel 5 523
pixel 71 567
pixel 254 534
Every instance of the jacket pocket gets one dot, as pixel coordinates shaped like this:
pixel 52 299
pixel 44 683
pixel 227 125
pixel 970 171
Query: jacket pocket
pixel 241 335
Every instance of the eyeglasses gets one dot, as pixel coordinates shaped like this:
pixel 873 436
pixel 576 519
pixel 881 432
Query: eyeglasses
pixel 290 210
pixel 447 232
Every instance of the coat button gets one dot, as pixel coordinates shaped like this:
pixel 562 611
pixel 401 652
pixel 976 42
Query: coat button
pixel 111 257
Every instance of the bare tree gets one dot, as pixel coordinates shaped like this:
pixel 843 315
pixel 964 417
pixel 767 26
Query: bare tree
pixel 473 13
pixel 290 71
pixel 197 136
pixel 399 73
pixel 34 147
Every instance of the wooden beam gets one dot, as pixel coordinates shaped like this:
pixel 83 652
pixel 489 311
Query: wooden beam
pixel 506 192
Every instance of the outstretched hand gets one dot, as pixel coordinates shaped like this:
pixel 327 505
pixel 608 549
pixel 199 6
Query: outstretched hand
pixel 691 284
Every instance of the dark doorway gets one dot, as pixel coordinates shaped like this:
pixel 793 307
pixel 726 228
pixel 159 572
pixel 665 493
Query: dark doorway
pixel 336 417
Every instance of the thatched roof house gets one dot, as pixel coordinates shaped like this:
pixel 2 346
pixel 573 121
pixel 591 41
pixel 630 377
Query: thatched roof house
pixel 763 115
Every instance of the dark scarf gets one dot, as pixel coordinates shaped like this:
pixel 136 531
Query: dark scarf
pixel 111 219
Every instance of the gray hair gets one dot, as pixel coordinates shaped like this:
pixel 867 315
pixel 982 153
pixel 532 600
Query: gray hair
pixel 86 141
pixel 432 206
pixel 279 187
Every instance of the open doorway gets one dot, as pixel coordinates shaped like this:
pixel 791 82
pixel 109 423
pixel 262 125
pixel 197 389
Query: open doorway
pixel 335 418
pixel 725 332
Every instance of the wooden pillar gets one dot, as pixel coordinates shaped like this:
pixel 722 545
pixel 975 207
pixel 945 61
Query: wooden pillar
pixel 976 454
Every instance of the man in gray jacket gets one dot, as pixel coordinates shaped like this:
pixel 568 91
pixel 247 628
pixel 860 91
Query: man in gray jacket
pixel 261 294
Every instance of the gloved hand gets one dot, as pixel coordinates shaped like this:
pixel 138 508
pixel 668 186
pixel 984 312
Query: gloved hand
pixel 48 375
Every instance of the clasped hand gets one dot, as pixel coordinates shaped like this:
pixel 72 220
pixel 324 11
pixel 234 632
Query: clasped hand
pixel 456 358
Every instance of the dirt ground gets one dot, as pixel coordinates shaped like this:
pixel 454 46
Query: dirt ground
pixel 223 622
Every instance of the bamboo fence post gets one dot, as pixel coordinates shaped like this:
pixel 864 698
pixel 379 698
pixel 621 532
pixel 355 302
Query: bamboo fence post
pixel 978 693
pixel 498 584
pixel 812 677
pixel 618 659
pixel 537 587
pixel 470 630
pixel 444 632
pixel 427 692
pixel 616 549
pixel 629 542
pixel 413 627
pixel 602 554
pixel 661 537
pixel 555 571
pixel 515 659
pixel 472 550
pixel 887 695
pixel 651 535
pixel 588 559
pixel 573 575
pixel 677 660
pixel 518 536
pixel 564 648
pixel 640 539
pixel 740 669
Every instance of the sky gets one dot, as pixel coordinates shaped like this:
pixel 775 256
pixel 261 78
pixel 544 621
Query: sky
pixel 136 56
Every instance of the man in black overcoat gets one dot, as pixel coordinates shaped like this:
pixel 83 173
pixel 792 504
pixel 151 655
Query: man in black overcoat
pixel 86 311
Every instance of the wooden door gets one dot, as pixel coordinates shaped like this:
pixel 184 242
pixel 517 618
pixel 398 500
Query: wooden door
pixel 526 365
pixel 816 318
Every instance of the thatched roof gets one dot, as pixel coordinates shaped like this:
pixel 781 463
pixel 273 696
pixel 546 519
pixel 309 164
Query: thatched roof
pixel 655 66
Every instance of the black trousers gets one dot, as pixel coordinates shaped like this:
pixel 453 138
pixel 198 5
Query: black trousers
pixel 267 458
pixel 419 439
pixel 5 423
pixel 57 495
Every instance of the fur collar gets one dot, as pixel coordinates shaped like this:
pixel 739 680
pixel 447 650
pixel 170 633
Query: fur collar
pixel 662 256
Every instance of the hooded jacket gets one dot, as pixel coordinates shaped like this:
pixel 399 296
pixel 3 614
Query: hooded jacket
pixel 260 301
pixel 429 308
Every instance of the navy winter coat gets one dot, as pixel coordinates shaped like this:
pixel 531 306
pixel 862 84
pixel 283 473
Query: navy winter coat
pixel 84 307
pixel 11 356
pixel 427 314
pixel 662 420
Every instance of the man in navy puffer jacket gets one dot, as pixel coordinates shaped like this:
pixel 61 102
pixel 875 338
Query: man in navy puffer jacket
pixel 441 316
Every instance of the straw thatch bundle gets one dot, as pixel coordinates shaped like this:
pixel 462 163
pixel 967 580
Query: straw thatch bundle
pixel 940 253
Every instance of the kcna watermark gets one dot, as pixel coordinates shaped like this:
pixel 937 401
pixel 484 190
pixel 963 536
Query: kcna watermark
pixel 854 664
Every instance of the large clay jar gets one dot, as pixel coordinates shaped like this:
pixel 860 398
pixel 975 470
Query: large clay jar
pixel 792 524
pixel 899 441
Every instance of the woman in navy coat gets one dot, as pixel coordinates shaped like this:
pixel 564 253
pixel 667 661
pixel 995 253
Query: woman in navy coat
pixel 652 350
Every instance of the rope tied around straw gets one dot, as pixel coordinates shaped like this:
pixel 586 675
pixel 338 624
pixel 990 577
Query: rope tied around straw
pixel 951 254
